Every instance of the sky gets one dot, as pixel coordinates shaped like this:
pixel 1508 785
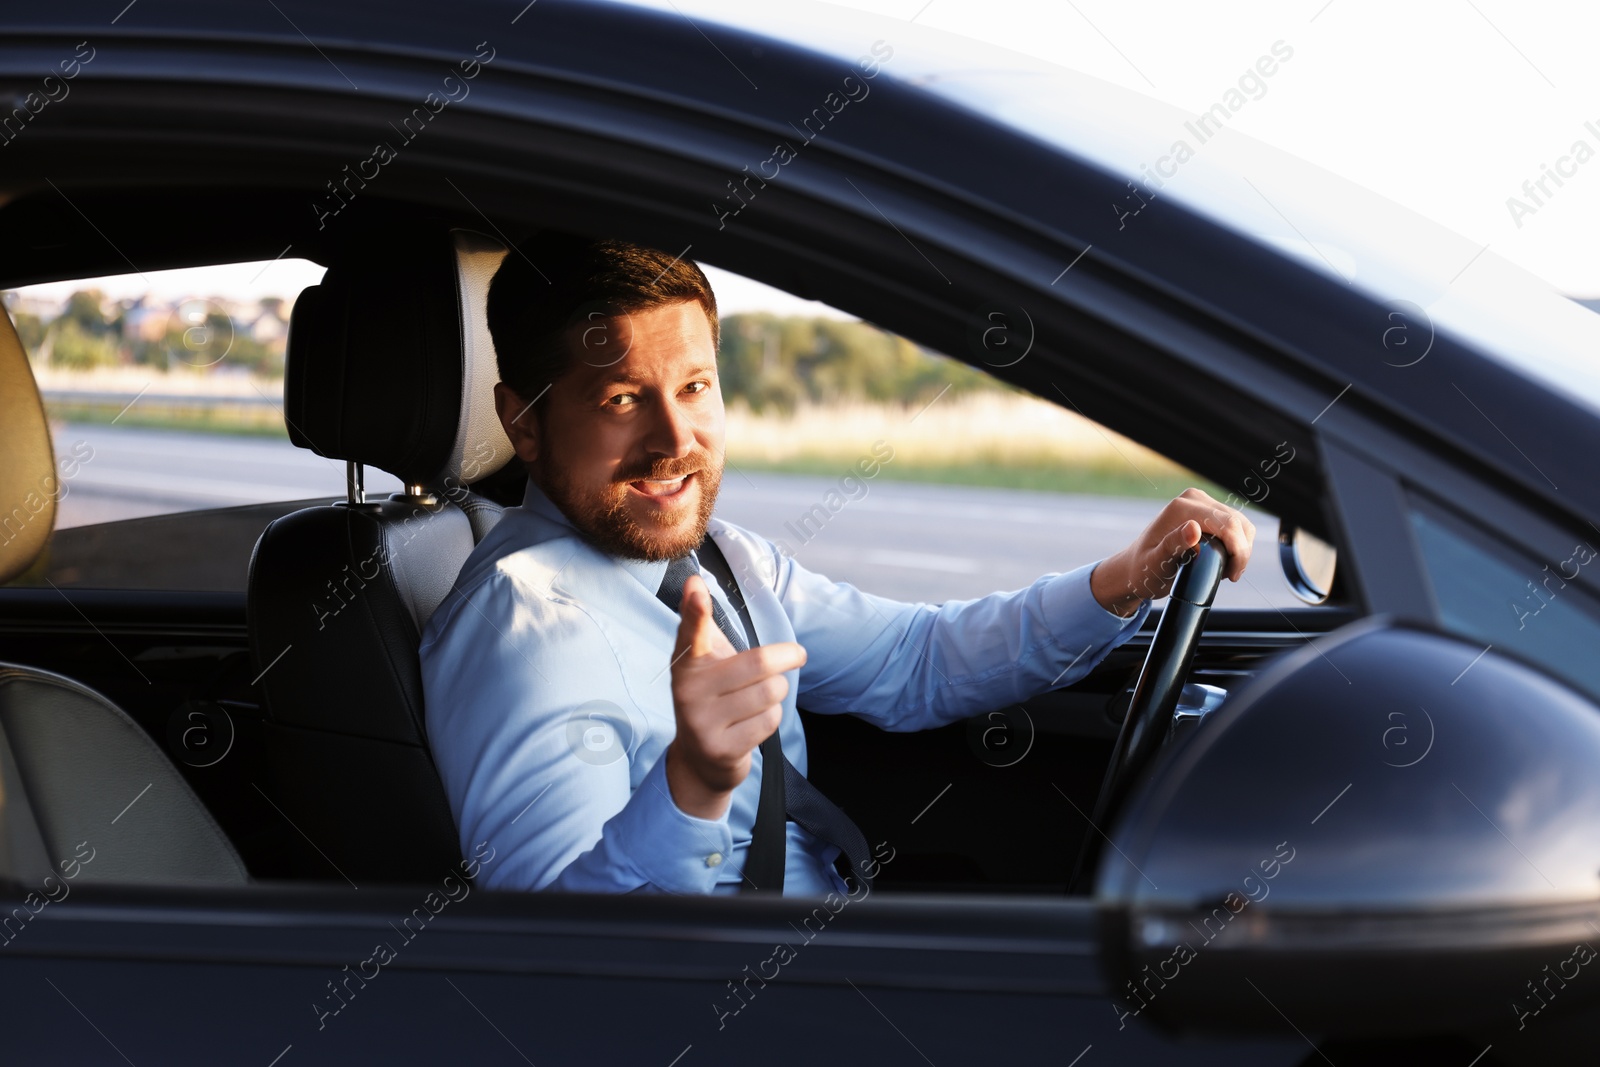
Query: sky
pixel 1445 106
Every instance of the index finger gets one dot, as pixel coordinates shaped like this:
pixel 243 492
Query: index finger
pixel 1238 538
pixel 756 664
pixel 698 634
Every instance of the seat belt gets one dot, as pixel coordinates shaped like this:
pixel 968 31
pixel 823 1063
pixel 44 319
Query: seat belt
pixel 769 837
pixel 796 798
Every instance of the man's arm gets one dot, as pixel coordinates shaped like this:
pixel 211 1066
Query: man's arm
pixel 532 730
pixel 916 666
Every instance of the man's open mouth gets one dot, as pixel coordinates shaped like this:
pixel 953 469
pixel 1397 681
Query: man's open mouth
pixel 662 488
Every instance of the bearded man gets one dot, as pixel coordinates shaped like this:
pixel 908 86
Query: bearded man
pixel 612 686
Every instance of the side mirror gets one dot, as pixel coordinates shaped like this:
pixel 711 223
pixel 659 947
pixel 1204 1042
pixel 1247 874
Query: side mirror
pixel 1388 832
pixel 1308 563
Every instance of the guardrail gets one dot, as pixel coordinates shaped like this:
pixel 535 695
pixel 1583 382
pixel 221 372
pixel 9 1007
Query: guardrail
pixel 67 397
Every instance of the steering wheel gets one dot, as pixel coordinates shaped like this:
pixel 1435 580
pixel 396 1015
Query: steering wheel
pixel 1160 683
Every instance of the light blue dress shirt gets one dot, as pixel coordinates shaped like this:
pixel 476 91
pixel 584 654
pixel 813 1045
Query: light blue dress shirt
pixel 547 681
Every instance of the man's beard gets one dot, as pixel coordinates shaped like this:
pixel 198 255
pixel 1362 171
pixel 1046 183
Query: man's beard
pixel 605 521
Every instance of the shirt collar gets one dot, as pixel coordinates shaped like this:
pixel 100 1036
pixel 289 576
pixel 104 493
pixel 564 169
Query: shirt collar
pixel 649 573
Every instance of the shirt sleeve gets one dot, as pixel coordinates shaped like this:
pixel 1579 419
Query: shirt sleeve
pixel 536 746
pixel 917 666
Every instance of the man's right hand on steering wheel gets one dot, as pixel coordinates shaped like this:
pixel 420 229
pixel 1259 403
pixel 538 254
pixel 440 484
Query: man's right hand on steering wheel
pixel 1145 569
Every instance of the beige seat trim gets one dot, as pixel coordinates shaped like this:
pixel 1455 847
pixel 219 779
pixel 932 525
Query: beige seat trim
pixel 481 445
pixel 29 485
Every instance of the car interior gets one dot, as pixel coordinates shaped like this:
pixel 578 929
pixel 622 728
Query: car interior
pixel 312 672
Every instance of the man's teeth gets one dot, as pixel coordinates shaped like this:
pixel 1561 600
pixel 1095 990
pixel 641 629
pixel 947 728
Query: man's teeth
pixel 661 486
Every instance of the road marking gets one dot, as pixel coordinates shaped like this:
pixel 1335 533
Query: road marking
pixel 923 561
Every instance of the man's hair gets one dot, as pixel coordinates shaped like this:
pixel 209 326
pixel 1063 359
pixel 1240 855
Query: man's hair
pixel 555 280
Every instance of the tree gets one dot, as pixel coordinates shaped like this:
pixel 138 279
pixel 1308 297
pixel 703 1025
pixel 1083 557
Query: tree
pixel 774 362
pixel 76 347
pixel 83 309
pixel 30 330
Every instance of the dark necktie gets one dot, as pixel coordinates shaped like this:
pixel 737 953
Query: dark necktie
pixel 788 792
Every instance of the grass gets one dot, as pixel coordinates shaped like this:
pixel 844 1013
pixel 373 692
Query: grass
pixel 238 421
pixel 1108 480
pixel 990 439
pixel 210 411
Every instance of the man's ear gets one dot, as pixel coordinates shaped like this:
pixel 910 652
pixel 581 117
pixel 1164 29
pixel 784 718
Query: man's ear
pixel 520 421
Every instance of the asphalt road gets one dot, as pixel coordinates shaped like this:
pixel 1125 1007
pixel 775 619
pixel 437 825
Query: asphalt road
pixel 903 540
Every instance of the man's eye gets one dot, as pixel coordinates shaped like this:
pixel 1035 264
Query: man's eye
pixel 699 387
pixel 620 399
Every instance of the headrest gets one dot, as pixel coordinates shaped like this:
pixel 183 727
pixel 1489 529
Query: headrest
pixel 29 487
pixel 390 362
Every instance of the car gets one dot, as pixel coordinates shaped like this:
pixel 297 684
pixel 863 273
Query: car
pixel 1361 827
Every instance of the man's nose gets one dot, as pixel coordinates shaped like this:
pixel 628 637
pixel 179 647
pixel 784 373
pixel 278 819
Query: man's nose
pixel 671 431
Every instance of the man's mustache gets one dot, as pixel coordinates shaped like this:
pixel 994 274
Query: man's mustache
pixel 663 469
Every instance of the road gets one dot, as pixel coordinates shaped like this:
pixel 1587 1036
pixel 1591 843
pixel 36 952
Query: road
pixel 903 540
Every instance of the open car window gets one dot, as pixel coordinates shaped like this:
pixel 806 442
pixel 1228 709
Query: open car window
pixel 866 457
pixel 164 392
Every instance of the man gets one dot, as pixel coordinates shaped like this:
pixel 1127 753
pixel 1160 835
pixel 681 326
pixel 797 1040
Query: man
pixel 590 709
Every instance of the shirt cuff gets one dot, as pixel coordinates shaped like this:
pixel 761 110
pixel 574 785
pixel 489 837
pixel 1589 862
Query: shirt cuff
pixel 1077 618
pixel 670 849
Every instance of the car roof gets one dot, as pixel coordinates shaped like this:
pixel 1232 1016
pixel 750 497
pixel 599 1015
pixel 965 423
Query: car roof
pixel 1331 225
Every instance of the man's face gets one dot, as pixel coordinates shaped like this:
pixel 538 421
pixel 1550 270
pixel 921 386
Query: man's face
pixel 630 442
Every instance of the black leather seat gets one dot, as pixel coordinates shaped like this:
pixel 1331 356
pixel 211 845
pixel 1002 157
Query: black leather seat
pixel 389 365
pixel 85 793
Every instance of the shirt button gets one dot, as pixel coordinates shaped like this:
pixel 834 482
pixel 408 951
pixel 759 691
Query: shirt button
pixel 714 860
